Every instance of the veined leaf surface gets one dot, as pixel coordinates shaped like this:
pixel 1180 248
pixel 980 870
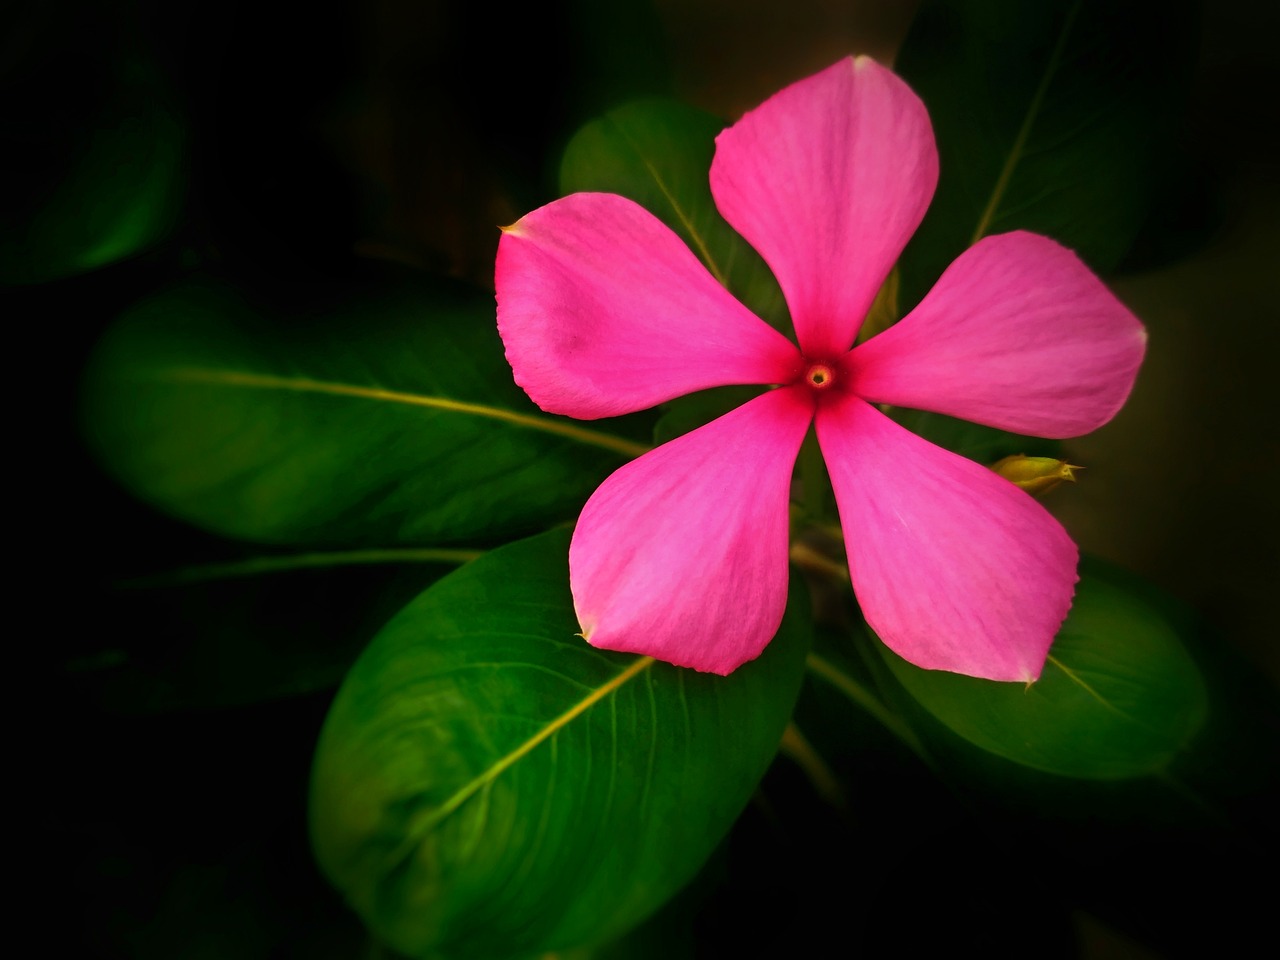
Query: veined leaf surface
pixel 1052 117
pixel 392 419
pixel 488 785
pixel 1119 696
pixel 658 153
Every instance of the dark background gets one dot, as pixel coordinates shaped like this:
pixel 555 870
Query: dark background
pixel 320 139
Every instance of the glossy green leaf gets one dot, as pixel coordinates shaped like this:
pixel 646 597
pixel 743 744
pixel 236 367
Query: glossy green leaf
pixel 390 419
pixel 488 785
pixel 1119 696
pixel 1052 117
pixel 658 153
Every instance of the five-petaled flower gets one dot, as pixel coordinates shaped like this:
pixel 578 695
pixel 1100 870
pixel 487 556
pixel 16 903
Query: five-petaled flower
pixel 682 553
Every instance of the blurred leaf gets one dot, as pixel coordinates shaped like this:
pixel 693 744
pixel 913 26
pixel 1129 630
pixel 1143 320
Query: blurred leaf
pixel 658 153
pixel 984 444
pixel 1054 117
pixel 263 627
pixel 621 51
pixel 390 419
pixel 122 193
pixel 1119 696
pixel 488 785
pixel 689 412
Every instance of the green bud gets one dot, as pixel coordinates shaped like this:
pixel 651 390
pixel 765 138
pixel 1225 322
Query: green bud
pixel 1036 475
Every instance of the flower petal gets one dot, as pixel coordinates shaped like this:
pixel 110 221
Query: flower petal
pixel 828 179
pixel 604 311
pixel 1017 334
pixel 682 554
pixel 954 567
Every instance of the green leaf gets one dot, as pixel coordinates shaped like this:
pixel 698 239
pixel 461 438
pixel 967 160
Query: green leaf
pixel 981 443
pixel 488 785
pixel 1054 117
pixel 1119 696
pixel 694 410
pixel 121 195
pixel 658 153
pixel 239 631
pixel 390 419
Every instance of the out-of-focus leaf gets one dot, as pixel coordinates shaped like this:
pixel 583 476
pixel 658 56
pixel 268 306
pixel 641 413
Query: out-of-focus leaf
pixel 696 409
pixel 984 444
pixel 1119 696
pixel 1053 117
pixel 622 53
pixel 392 419
pixel 121 194
pixel 658 153
pixel 262 627
pixel 489 785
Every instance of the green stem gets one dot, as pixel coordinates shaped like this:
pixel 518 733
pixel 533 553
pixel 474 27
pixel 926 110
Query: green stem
pixel 823 780
pixel 868 701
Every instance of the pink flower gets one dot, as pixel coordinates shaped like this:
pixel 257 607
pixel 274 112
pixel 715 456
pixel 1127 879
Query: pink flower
pixel 682 553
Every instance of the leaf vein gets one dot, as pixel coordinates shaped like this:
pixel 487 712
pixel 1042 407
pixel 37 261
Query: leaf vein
pixel 300 384
pixel 433 816
pixel 1020 141
pixel 699 241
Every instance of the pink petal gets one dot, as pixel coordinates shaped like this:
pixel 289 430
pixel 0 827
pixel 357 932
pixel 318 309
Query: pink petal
pixel 682 554
pixel 828 179
pixel 1017 334
pixel 954 567
pixel 604 311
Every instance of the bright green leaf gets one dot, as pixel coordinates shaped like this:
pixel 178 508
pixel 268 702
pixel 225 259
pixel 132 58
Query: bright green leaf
pixel 658 154
pixel 1053 117
pixel 393 419
pixel 488 785
pixel 1119 696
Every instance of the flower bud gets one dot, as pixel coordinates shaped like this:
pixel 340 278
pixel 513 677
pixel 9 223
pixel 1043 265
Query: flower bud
pixel 1036 475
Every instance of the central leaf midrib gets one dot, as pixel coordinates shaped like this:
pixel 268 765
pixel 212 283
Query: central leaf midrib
pixel 1024 131
pixel 1102 700
pixel 698 240
pixel 262 381
pixel 436 815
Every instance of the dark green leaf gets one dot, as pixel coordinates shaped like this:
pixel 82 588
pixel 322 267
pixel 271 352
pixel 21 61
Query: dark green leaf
pixel 658 154
pixel 264 627
pixel 121 194
pixel 393 419
pixel 1119 696
pixel 984 444
pixel 696 409
pixel 488 785
pixel 1052 117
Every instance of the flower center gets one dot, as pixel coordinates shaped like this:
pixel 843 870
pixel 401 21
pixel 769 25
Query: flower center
pixel 820 376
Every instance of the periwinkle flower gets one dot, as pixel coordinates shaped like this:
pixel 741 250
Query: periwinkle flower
pixel 682 553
